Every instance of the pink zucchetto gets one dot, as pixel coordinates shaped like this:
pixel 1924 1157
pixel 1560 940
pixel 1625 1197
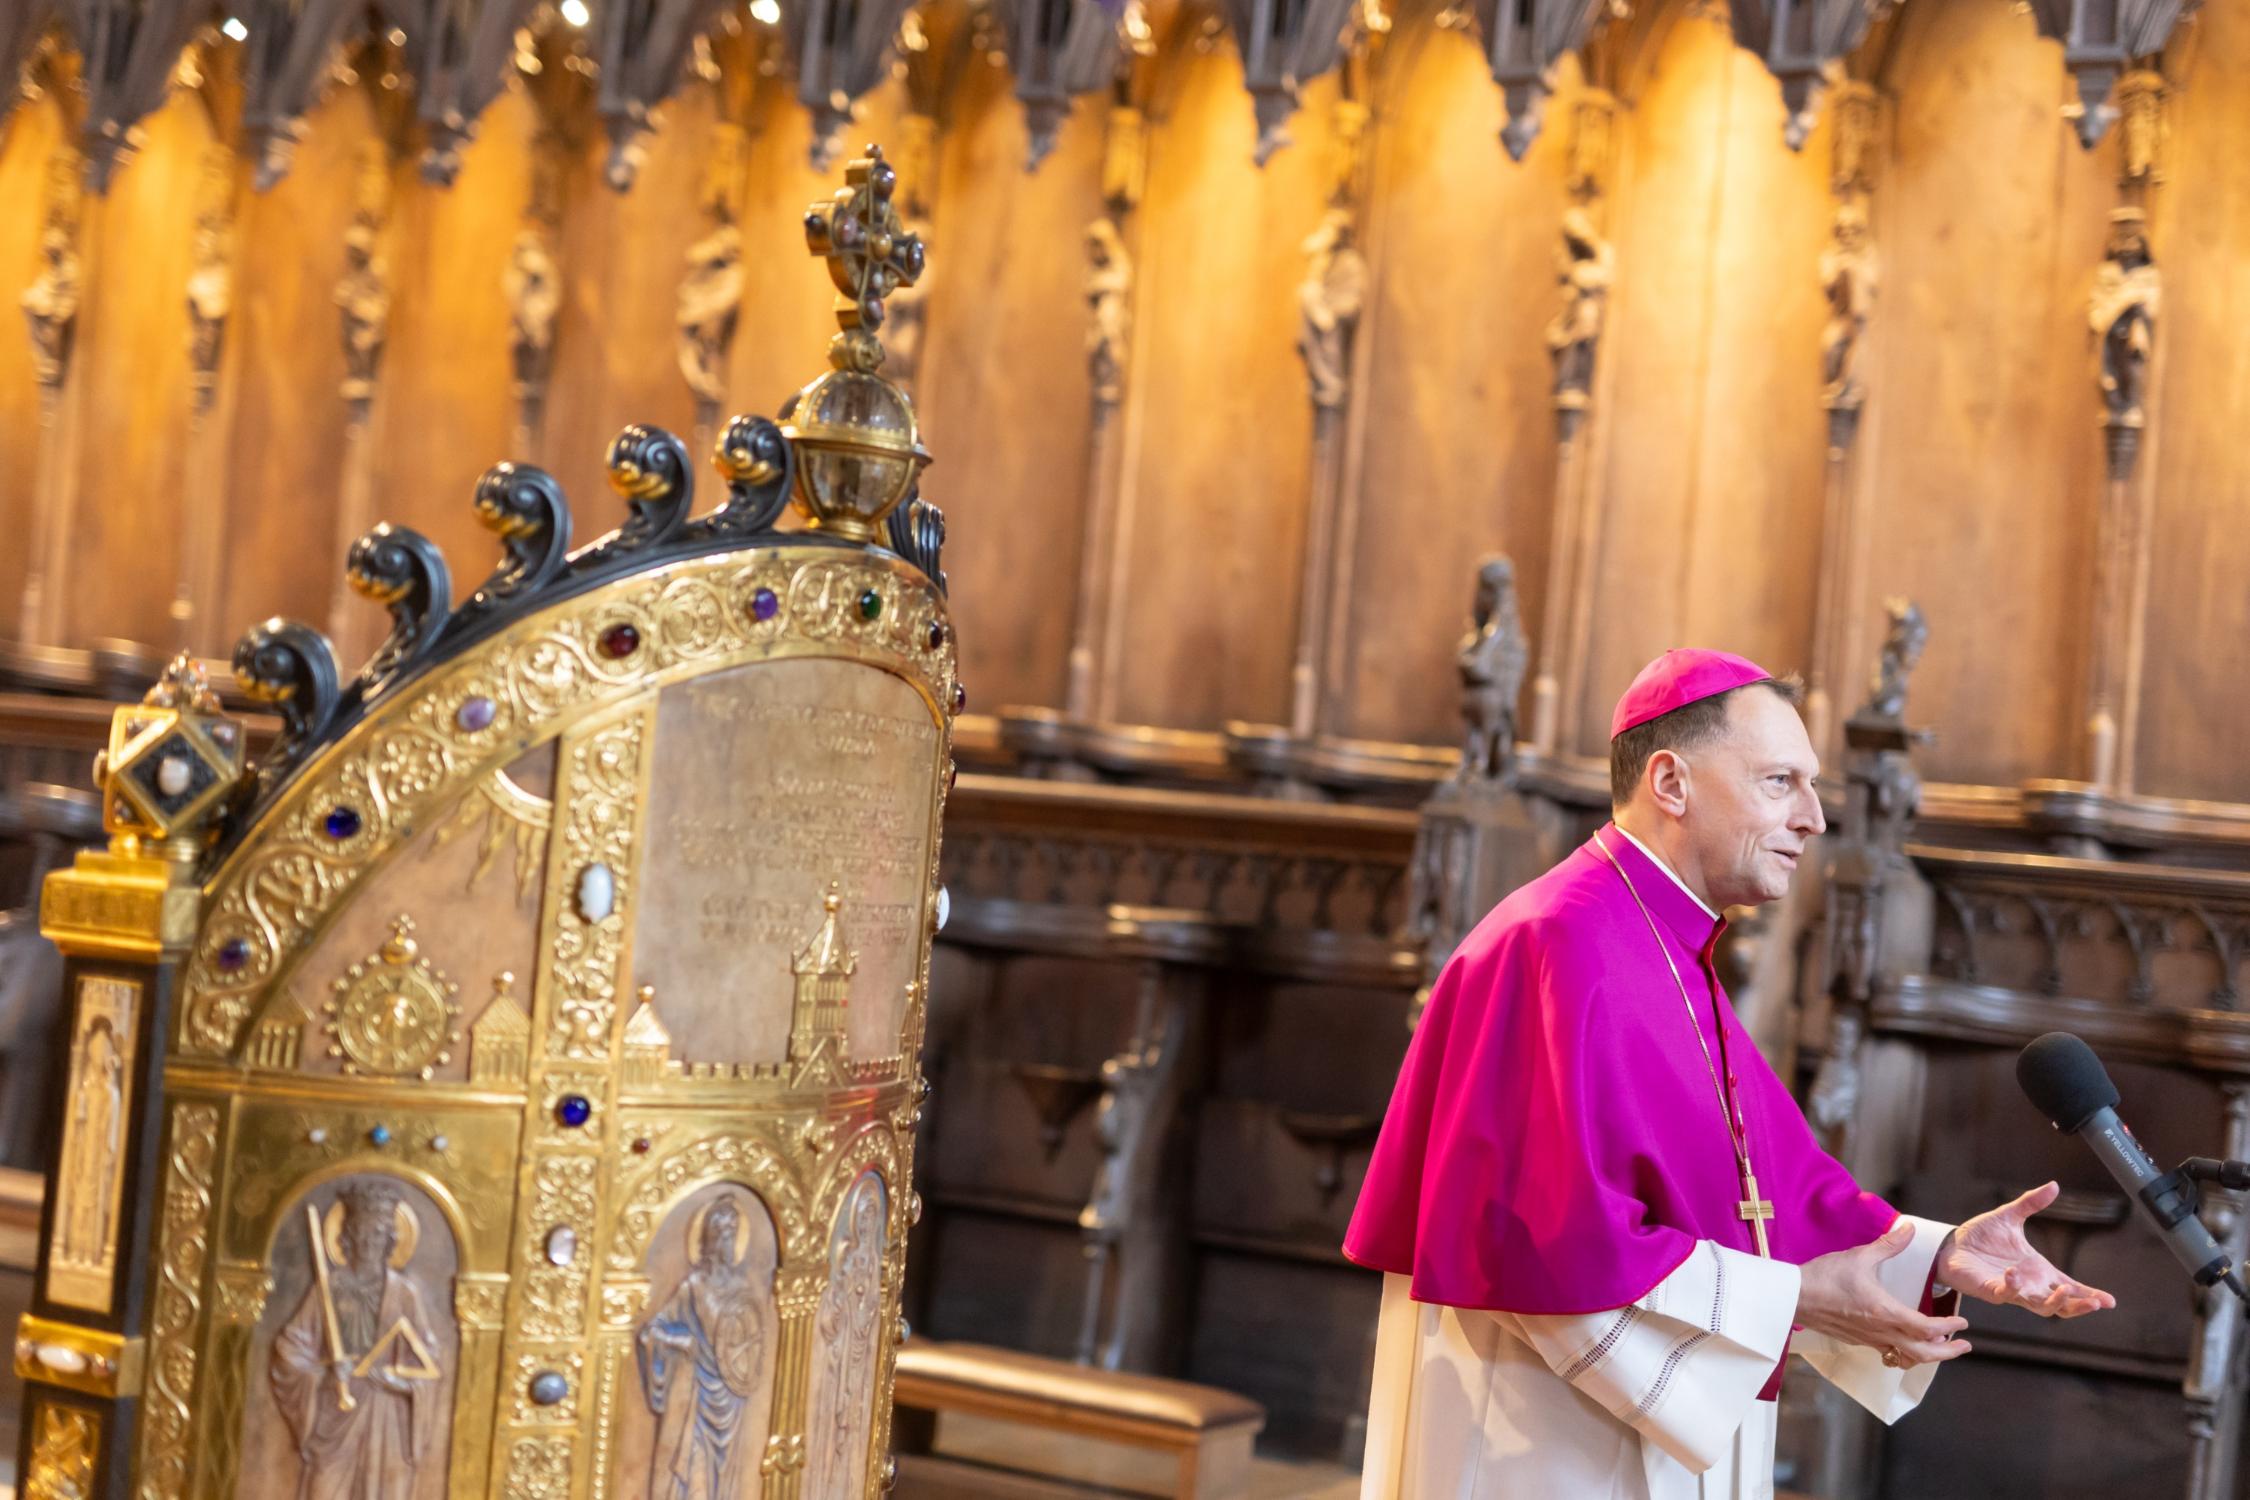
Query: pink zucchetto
pixel 1678 678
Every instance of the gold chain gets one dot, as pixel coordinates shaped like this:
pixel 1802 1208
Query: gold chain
pixel 1737 1135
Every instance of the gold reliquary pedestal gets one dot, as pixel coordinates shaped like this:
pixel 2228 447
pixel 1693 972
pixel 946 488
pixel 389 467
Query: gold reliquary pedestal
pixel 507 1085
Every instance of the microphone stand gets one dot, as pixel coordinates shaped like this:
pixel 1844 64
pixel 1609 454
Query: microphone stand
pixel 2175 1195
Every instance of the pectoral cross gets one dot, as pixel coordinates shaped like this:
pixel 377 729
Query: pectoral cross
pixel 1755 1210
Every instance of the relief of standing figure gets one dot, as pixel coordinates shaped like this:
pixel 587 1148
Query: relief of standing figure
pixel 701 1354
pixel 845 1333
pixel 352 1369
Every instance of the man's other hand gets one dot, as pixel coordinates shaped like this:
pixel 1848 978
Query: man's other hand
pixel 1842 1295
pixel 1989 1258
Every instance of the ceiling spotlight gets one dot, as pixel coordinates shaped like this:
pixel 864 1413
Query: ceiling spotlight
pixel 575 12
pixel 236 29
pixel 765 12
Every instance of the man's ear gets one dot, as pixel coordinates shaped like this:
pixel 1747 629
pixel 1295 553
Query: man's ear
pixel 1668 782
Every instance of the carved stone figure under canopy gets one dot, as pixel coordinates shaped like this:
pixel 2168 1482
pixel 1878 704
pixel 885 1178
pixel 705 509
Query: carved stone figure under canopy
pixel 1329 301
pixel 1587 267
pixel 710 303
pixel 702 1355
pixel 1109 290
pixel 1849 278
pixel 352 1369
pixel 363 296
pixel 50 306
pixel 534 291
pixel 2127 292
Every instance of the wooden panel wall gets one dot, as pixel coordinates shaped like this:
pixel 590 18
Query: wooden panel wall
pixel 616 354
pixel 281 555
pixel 27 141
pixel 1977 471
pixel 1986 461
pixel 132 336
pixel 1708 416
pixel 1460 431
pixel 1218 430
pixel 2199 609
pixel 444 415
pixel 1005 401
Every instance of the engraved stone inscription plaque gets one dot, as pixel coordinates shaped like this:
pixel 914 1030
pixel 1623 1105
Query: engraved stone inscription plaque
pixel 771 782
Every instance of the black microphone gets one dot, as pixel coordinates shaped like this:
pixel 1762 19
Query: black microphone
pixel 2067 1083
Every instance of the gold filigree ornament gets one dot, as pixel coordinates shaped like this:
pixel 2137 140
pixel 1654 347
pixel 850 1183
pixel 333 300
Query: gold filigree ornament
pixel 394 1013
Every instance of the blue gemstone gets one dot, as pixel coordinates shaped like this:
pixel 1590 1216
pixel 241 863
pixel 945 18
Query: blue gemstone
pixel 380 1135
pixel 574 1109
pixel 233 954
pixel 547 1388
pixel 764 605
pixel 342 823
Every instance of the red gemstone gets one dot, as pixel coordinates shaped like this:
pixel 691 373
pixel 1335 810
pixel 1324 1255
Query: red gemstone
pixel 620 640
pixel 640 1147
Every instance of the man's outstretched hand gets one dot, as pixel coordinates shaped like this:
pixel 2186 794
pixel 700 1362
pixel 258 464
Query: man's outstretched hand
pixel 1990 1259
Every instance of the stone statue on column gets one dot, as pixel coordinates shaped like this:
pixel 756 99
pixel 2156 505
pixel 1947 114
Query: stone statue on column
pixel 1109 297
pixel 710 304
pixel 2128 290
pixel 1329 302
pixel 1479 838
pixel 1492 660
pixel 1850 275
pixel 363 298
pixel 1879 909
pixel 533 287
pixel 50 305
pixel 1587 268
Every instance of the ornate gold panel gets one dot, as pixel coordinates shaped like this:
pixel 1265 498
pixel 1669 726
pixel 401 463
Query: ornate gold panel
pixel 104 1039
pixel 65 1441
pixel 538 1101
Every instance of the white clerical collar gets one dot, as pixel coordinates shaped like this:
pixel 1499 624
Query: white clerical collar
pixel 1658 861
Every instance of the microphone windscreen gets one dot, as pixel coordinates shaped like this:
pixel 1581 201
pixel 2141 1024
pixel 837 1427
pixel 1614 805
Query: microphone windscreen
pixel 2064 1080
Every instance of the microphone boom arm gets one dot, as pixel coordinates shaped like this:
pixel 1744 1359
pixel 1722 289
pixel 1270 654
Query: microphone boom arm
pixel 2175 1195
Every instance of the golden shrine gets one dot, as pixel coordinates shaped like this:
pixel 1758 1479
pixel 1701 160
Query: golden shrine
pixel 506 1085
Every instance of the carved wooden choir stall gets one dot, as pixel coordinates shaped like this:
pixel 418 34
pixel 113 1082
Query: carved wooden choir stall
pixel 497 1066
pixel 505 1083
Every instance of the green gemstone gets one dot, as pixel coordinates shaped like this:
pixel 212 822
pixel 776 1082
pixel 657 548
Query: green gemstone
pixel 870 605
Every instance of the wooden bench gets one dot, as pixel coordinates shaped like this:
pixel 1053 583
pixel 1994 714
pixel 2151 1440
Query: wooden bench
pixel 1208 1433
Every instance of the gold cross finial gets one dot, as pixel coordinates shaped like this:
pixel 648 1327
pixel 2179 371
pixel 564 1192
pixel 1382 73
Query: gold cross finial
pixel 870 255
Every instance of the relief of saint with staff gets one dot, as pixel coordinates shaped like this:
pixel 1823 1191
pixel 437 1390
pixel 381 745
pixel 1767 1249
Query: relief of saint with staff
pixel 353 1370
